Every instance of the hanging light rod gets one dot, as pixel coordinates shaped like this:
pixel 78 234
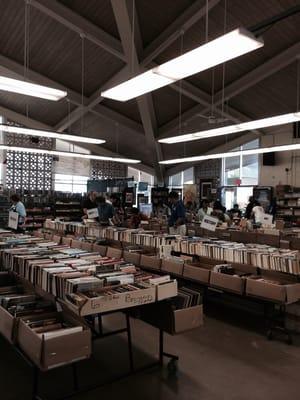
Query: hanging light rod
pixel 226 130
pixel 286 147
pixel 30 89
pixel 49 134
pixel 231 45
pixel 69 154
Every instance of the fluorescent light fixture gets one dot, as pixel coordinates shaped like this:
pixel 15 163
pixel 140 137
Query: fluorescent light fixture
pixel 44 133
pixel 225 48
pixel 30 89
pixel 286 147
pixel 69 154
pixel 226 130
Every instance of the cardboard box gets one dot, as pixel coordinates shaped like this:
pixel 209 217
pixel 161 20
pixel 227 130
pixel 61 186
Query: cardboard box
pixel 102 250
pixel 66 240
pixel 197 272
pixel 87 246
pixel 113 302
pixel 164 317
pixel 287 292
pixel 132 257
pixel 7 325
pixel 284 244
pixel 172 266
pixel 243 237
pixel 57 351
pixel 188 319
pixel 151 262
pixel 270 240
pixel 113 252
pixel 76 244
pixel 295 243
pixel 166 290
pixel 229 283
pixel 57 239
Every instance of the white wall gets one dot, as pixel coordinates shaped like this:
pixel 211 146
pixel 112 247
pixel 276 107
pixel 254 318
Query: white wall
pixel 274 175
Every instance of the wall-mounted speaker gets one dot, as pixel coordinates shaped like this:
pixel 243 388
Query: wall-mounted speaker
pixel 269 159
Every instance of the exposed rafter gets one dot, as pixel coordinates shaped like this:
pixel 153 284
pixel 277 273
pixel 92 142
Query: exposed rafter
pixel 8 67
pixel 32 123
pixel 192 15
pixel 185 21
pixel 145 105
pixel 77 23
pixel 248 80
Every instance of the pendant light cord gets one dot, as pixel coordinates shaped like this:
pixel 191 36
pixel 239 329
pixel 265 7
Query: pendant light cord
pixel 82 80
pixel 224 64
pixel 26 48
pixel 133 37
pixel 298 86
pixel 206 22
pixel 117 137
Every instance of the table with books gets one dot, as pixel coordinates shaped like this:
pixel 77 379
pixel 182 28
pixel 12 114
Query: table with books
pixel 53 298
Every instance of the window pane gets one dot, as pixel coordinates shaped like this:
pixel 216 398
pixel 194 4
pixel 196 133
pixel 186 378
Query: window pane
pixel 250 169
pixel 188 176
pixel 177 179
pixel 79 188
pixel 63 187
pixel 254 144
pixel 232 170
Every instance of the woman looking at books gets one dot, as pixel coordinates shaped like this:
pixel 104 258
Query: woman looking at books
pixel 204 210
pixel 177 219
pixel 19 208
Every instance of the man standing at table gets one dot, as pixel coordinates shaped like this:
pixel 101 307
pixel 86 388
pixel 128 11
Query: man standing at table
pixel 177 219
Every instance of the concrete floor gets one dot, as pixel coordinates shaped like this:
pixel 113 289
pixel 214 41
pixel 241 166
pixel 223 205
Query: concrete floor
pixel 221 361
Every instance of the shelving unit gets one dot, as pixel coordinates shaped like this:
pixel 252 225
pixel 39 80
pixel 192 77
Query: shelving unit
pixel 288 204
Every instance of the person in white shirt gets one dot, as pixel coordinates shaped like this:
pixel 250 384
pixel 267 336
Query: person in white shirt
pixel 257 212
pixel 18 207
pixel 204 210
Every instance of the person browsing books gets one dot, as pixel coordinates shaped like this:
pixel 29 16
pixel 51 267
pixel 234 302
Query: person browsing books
pixel 177 219
pixel 204 210
pixel 18 207
pixel 105 211
pixel 89 203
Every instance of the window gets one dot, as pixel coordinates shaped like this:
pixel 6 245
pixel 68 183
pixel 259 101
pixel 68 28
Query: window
pixel 70 183
pixel 241 170
pixel 182 178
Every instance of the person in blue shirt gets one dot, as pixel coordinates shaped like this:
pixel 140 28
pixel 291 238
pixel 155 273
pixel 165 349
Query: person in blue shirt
pixel 177 219
pixel 19 208
pixel 105 210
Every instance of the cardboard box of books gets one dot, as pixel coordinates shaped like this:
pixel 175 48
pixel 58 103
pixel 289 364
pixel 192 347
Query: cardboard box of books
pixel 270 240
pixel 110 299
pixel 180 314
pixel 54 339
pixel 165 287
pixel 102 250
pixel 152 262
pixel 114 252
pixel 273 286
pixel 243 237
pixel 132 257
pixel 230 278
pixel 173 265
pixel 199 272
pixel 9 287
